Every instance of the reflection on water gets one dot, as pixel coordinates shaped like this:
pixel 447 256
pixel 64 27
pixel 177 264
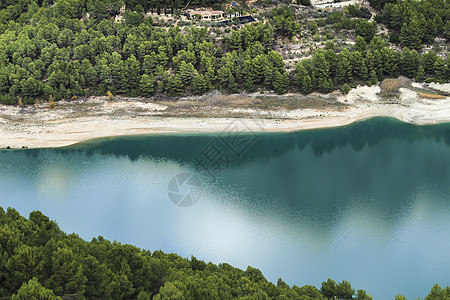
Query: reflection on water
pixel 367 203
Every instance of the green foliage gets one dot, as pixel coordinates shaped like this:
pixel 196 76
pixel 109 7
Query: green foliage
pixel 373 78
pixel 412 34
pixel 40 262
pixel 70 48
pixel 344 290
pixel 428 59
pixel 394 37
pixel 329 288
pixel 303 79
pixel 440 70
pixel 280 82
pixel 362 295
pixel 438 293
pixel 360 44
pixel 313 27
pixel 147 85
pixel 358 11
pixel 365 29
pixel 66 266
pixel 33 290
pixel 379 4
pixel 375 62
pixel 283 20
pixel 417 22
pixel 172 5
pixel 199 84
pixel 345 88
pixel 175 86
pixel 26 263
pixel 420 76
pixel 304 2
pixel 409 62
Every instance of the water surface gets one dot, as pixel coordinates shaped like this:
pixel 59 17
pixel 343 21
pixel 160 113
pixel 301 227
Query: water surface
pixel 368 202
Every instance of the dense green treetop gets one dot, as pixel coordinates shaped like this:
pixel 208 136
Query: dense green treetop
pixel 60 49
pixel 39 261
pixel 418 22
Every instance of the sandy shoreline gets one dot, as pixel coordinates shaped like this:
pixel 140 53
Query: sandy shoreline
pixel 40 127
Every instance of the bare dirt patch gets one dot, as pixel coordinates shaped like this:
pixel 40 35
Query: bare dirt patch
pixel 431 96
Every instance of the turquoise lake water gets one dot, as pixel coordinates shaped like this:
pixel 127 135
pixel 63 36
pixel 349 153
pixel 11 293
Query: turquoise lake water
pixel 368 202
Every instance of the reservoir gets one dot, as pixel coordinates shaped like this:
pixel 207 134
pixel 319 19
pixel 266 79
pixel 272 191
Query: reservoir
pixel 368 202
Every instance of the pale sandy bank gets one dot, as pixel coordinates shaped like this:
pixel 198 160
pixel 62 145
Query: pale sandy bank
pixel 69 123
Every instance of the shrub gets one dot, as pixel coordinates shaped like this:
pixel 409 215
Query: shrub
pixel 110 95
pixel 390 86
pixel 321 22
pixel 394 38
pixel 51 103
pixel 345 88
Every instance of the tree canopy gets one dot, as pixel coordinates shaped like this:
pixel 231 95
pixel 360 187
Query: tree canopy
pixel 59 49
pixel 39 261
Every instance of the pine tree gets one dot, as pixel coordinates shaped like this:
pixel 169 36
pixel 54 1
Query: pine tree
pixel 322 85
pixel 373 78
pixel 390 62
pixel 420 76
pixel 175 86
pixel 341 71
pixel 377 43
pixel 26 263
pixel 34 290
pixel 345 88
pixel 332 59
pixel 158 7
pixel 147 85
pixel 409 62
pixel 280 82
pixel 364 74
pixel 360 44
pixel 67 274
pixel 355 62
pixel 440 69
pixel 378 67
pixel 447 30
pixel 428 59
pixel 300 74
pixel 199 85
pixel 210 77
pixel 306 86
pixel 412 34
pixel 224 74
pixel 370 62
pixel 249 84
pixel 349 72
pixel 130 79
pixel 150 63
pixel 330 85
pixel 321 70
pixel 250 79
pixel 187 72
pixel 232 86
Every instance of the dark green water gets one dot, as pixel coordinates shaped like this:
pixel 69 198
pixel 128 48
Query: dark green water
pixel 368 203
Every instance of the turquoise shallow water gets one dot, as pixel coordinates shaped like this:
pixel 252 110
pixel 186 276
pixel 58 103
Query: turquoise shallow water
pixel 368 202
